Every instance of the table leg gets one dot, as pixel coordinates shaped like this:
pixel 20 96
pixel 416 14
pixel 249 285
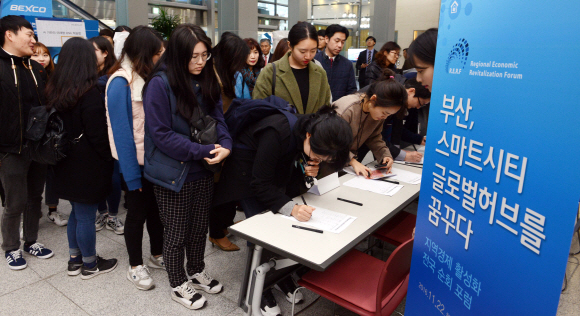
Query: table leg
pixel 257 255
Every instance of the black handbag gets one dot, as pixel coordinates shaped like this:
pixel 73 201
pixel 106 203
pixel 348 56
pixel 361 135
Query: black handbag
pixel 46 138
pixel 204 131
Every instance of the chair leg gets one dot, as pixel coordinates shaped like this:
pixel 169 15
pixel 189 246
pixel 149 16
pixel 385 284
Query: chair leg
pixel 294 298
pixel 565 282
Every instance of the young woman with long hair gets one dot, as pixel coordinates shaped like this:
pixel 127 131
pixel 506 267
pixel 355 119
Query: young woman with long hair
pixel 281 49
pixel 299 80
pixel 182 89
pixel 246 78
pixel 84 176
pixel 42 56
pixel 126 116
pixel 261 170
pixel 108 208
pixel 228 57
pixel 386 58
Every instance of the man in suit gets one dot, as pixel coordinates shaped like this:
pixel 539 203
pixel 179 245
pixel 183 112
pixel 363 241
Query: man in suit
pixel 266 46
pixel 321 40
pixel 365 58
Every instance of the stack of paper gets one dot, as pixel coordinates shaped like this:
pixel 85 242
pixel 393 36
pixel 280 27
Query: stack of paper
pixel 326 220
pixel 406 176
pixel 380 187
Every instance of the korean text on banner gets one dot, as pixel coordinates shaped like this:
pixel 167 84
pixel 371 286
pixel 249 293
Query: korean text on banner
pixel 500 187
pixel 55 33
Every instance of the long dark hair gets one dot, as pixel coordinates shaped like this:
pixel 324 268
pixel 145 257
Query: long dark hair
pixel 301 31
pixel 104 45
pixel 281 49
pixel 253 44
pixel 331 136
pixel 389 92
pixel 423 47
pixel 73 76
pixel 141 45
pixel 229 57
pixel 176 60
pixel 381 59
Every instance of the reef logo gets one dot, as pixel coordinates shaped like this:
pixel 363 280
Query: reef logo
pixel 457 57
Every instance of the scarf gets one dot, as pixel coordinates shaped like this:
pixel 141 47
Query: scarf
pixel 250 78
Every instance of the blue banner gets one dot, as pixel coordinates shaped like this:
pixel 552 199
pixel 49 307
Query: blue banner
pixel 42 8
pixel 501 180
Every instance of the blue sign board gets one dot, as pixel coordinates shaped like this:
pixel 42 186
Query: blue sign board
pixel 42 8
pixel 501 180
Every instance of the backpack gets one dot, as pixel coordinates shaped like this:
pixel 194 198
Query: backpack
pixel 46 138
pixel 244 112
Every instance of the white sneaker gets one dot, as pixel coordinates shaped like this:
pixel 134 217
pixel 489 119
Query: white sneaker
pixel 101 221
pixel 115 224
pixel 57 218
pixel 187 296
pixel 156 263
pixel 141 277
pixel 202 281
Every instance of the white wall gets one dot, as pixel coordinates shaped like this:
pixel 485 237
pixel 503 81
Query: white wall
pixel 415 15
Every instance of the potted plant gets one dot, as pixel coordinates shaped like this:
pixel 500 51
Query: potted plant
pixel 165 23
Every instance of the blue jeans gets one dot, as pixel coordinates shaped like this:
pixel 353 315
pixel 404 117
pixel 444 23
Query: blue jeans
pixel 82 236
pixel 114 199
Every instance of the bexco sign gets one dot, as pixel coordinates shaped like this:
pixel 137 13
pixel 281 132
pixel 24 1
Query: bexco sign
pixel 40 8
pixel 23 8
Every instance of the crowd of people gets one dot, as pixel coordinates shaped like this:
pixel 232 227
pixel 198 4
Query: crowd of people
pixel 192 132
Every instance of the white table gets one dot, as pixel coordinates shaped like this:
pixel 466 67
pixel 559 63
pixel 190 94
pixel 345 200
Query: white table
pixel 315 250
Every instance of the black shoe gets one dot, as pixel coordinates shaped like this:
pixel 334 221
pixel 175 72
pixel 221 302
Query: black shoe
pixel 288 287
pixel 103 266
pixel 268 305
pixel 74 268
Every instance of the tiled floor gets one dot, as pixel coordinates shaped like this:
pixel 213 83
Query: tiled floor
pixel 44 288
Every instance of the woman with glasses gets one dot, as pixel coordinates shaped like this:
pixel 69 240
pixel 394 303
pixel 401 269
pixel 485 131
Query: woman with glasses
pixel 366 113
pixel 386 58
pixel 182 90
pixel 261 168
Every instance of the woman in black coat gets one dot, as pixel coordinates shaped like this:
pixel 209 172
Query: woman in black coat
pixel 387 57
pixel 84 176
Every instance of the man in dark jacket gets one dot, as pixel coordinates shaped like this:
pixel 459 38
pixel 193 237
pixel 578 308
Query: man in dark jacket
pixel 21 88
pixel 365 58
pixel 266 47
pixel 339 69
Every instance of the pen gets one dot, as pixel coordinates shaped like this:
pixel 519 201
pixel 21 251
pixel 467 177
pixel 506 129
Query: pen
pixel 308 229
pixel 414 147
pixel 349 201
pixel 303 200
pixel 391 181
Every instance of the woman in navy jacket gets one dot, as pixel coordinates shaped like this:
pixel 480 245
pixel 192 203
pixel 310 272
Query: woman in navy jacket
pixel 184 83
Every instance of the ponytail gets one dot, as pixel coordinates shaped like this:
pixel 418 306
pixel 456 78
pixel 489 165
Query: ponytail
pixel 389 92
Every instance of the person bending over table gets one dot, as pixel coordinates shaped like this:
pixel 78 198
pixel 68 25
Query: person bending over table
pixel 268 157
pixel 366 113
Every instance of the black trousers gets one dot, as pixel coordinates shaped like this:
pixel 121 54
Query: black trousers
pixel 220 218
pixel 142 208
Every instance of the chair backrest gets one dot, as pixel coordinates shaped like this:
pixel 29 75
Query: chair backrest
pixel 395 272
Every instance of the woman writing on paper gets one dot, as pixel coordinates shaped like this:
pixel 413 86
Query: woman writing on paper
pixel 366 113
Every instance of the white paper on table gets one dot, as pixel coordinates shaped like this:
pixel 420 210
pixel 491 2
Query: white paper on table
pixel 325 184
pixel 326 220
pixel 406 176
pixel 376 186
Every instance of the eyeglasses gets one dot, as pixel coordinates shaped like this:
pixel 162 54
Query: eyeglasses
pixel 204 57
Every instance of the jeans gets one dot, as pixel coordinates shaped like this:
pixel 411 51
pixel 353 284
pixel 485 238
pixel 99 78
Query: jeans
pixel 50 198
pixel 82 236
pixel 23 182
pixel 114 199
pixel 142 208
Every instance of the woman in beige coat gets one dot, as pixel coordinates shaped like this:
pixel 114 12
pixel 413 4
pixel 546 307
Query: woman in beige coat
pixel 366 113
